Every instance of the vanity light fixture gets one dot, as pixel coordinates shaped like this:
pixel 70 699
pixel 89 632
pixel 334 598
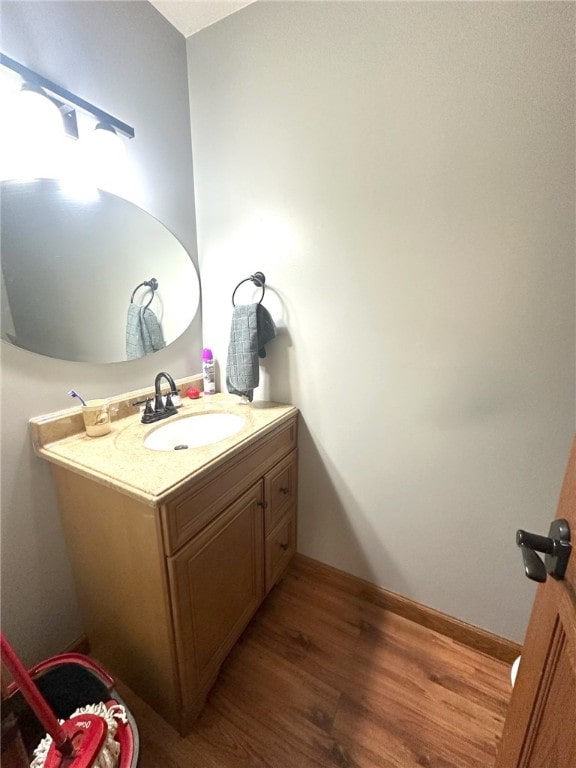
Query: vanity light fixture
pixel 38 109
pixel 32 135
pixel 67 113
pixel 105 157
pixel 107 142
pixel 65 100
pixel 106 134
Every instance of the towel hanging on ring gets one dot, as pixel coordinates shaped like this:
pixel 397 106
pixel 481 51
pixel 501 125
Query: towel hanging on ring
pixel 143 330
pixel 252 328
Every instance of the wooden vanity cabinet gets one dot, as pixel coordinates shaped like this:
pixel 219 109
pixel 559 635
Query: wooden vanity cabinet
pixel 166 591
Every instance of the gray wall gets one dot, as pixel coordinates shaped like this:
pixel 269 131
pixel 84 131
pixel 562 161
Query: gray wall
pixel 125 58
pixel 403 173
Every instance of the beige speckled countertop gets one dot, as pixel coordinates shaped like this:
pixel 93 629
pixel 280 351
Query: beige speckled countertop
pixel 120 460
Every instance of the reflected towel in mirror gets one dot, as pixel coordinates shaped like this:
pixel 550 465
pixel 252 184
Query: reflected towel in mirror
pixel 143 332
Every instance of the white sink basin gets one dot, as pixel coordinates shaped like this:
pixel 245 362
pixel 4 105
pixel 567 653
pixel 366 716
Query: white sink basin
pixel 194 431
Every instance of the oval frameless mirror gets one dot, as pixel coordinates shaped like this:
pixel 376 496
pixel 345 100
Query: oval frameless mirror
pixel 70 267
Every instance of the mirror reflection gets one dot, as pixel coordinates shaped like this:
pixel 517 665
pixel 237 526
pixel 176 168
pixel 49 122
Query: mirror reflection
pixel 89 279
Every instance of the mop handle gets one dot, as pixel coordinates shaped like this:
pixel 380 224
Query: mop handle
pixel 34 698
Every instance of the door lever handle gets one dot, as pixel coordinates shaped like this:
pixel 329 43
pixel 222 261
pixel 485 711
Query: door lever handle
pixel 533 566
pixel 556 547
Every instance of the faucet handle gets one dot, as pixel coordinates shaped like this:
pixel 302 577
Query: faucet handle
pixel 147 403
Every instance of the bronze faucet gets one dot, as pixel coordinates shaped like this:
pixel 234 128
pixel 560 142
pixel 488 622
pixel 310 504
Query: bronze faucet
pixel 161 410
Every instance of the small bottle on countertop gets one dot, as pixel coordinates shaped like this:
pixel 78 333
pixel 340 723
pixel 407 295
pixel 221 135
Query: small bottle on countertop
pixel 208 372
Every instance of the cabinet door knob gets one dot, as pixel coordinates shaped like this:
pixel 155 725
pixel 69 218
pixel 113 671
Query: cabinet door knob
pixel 285 490
pixel 284 547
pixel 262 504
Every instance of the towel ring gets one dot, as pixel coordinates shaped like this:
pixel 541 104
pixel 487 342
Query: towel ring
pixel 152 284
pixel 259 281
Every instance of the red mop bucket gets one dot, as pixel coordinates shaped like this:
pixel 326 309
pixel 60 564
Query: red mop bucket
pixel 53 690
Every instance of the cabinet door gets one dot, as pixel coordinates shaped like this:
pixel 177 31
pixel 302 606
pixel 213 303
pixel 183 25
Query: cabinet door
pixel 217 585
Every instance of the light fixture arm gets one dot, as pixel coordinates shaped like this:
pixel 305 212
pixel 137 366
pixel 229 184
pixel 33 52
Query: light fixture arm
pixel 33 77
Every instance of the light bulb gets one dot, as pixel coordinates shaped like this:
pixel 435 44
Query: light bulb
pixel 32 136
pixel 107 157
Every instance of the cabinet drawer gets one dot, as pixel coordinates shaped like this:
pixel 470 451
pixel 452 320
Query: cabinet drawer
pixel 280 489
pixel 280 546
pixel 190 512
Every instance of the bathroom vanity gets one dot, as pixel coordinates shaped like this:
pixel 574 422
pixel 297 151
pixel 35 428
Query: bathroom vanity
pixel 173 551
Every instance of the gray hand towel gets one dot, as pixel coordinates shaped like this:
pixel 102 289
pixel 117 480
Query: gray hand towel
pixel 143 332
pixel 252 328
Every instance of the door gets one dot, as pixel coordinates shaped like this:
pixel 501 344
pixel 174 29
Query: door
pixel 540 728
pixel 217 584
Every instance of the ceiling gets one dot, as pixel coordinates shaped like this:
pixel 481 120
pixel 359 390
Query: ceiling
pixel 189 16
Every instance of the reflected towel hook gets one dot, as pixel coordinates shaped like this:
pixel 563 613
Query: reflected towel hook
pixel 259 281
pixel 152 284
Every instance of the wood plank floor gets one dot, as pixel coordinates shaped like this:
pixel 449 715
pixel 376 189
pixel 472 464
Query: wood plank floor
pixel 323 678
